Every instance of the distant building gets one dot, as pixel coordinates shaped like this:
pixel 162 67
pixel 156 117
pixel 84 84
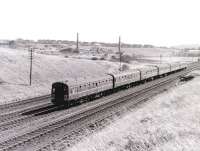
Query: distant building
pixel 5 43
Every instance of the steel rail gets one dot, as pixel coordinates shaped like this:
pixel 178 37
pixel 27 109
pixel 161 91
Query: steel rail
pixel 6 117
pixel 23 102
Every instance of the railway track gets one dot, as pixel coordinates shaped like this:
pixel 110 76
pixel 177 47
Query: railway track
pixel 75 132
pixel 53 124
pixel 9 116
pixel 14 118
pixel 20 119
pixel 23 104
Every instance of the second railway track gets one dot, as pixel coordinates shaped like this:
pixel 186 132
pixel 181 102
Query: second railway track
pixel 4 108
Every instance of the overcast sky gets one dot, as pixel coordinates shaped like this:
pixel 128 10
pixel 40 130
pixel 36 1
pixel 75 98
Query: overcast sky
pixel 157 22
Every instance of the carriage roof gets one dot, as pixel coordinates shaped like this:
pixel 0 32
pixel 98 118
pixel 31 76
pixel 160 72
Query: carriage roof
pixel 82 81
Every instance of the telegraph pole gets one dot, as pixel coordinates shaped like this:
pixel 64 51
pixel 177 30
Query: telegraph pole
pixel 31 62
pixel 119 47
pixel 77 42
pixel 160 58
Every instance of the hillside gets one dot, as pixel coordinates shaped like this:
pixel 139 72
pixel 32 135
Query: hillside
pixel 14 72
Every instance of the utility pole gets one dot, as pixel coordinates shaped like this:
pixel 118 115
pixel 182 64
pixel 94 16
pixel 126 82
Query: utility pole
pixel 160 58
pixel 31 62
pixel 77 42
pixel 119 47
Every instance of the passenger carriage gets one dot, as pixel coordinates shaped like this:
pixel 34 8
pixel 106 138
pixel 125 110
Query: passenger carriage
pixel 77 91
pixel 73 90
pixel 127 77
pixel 148 72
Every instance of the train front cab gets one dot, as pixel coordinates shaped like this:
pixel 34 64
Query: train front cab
pixel 59 93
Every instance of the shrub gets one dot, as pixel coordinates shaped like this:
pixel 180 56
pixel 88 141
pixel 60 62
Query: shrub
pixel 102 58
pixel 126 58
pixel 66 50
pixel 76 51
pixel 125 67
pixel 94 58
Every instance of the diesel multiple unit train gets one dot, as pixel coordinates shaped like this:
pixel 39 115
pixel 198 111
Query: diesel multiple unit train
pixel 74 92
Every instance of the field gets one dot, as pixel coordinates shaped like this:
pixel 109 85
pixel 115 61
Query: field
pixel 14 73
pixel 49 67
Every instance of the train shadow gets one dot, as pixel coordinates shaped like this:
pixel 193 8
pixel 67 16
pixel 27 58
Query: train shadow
pixel 186 78
pixel 45 110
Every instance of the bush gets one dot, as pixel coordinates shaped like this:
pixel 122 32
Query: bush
pixel 113 57
pixel 66 50
pixel 102 58
pixel 125 67
pixel 126 58
pixel 76 51
pixel 94 58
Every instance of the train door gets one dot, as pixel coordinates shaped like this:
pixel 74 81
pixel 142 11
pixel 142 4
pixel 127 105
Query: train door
pixel 61 93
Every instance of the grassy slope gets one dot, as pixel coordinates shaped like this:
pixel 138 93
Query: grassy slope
pixel 14 72
pixel 170 122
